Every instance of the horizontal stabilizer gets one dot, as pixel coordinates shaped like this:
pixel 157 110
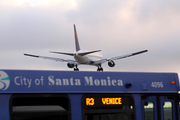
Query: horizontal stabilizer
pixel 86 53
pixel 71 54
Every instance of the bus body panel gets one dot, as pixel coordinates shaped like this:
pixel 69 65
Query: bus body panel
pixel 31 81
pixel 156 88
pixel 4 106
pixel 76 109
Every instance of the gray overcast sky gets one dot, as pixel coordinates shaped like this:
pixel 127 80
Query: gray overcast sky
pixel 117 27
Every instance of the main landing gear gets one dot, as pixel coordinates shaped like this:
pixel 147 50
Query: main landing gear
pixel 76 68
pixel 99 68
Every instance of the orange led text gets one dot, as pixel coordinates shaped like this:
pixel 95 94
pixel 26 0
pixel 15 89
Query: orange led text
pixel 89 101
pixel 111 101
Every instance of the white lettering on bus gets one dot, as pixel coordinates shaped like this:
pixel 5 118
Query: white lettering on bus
pixel 64 81
pixel 39 81
pixel 157 84
pixel 19 80
pixel 89 81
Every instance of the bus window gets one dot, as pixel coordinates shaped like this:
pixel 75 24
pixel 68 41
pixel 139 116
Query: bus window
pixel 108 107
pixel 167 110
pixel 149 110
pixel 39 106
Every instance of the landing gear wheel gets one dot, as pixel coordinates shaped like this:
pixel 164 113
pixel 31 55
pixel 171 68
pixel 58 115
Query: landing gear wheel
pixel 76 68
pixel 100 68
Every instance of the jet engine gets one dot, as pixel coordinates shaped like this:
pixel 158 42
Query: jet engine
pixel 70 65
pixel 111 63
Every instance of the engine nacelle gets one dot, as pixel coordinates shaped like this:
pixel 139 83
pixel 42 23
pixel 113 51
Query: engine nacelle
pixel 111 63
pixel 70 65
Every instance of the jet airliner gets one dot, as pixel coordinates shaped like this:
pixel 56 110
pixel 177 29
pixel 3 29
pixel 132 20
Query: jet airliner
pixel 83 57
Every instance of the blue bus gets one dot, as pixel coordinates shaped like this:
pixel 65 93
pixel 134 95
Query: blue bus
pixel 71 95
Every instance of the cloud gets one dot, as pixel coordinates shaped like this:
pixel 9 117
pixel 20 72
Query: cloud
pixel 115 27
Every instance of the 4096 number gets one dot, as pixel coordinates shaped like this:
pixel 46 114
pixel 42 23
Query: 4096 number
pixel 157 84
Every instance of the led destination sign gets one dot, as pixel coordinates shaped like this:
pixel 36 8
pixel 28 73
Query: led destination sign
pixel 107 101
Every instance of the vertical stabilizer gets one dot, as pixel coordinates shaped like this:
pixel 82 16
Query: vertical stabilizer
pixel 76 39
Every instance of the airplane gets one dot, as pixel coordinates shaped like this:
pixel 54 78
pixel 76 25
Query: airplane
pixel 83 57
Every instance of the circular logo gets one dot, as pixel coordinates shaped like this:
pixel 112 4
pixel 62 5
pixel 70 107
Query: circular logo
pixel 4 80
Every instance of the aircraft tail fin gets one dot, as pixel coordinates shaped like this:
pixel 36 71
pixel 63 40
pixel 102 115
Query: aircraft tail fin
pixel 76 39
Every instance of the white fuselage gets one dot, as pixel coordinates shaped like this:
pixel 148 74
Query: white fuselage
pixel 87 59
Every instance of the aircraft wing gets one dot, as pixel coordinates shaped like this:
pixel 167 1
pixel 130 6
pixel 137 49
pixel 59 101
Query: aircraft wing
pixel 118 57
pixel 52 58
pixel 100 61
pixel 127 55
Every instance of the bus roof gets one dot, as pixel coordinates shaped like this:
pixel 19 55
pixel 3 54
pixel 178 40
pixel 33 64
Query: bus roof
pixel 42 81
